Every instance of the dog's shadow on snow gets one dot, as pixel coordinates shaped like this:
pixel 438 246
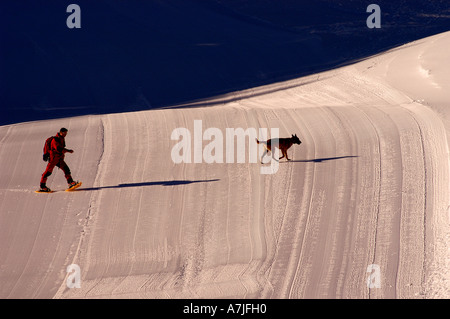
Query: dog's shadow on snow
pixel 142 184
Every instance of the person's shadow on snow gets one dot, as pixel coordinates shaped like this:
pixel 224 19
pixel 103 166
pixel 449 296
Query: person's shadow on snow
pixel 161 183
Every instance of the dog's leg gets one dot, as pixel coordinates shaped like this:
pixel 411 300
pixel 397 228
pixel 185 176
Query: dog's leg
pixel 264 154
pixel 285 154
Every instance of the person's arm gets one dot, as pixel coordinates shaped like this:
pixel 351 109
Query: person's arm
pixel 58 147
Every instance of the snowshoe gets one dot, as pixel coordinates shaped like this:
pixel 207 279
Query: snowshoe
pixel 44 190
pixel 73 186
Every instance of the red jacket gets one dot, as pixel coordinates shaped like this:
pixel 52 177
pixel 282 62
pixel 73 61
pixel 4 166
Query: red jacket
pixel 58 146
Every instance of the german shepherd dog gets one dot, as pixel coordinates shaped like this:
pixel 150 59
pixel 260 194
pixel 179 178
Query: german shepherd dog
pixel 283 144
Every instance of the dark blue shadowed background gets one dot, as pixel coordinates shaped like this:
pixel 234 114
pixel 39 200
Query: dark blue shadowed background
pixel 136 55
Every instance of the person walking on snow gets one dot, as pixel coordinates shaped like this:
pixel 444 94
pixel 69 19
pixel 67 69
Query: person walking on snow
pixel 57 152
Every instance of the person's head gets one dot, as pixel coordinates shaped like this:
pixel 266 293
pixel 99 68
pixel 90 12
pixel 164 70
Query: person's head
pixel 63 131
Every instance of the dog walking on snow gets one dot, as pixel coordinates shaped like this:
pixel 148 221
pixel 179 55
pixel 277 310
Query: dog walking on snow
pixel 283 144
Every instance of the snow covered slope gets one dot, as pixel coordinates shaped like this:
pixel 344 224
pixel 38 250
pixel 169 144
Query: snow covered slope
pixel 368 185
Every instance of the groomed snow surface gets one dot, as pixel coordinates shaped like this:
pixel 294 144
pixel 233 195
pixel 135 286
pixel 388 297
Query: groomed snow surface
pixel 369 185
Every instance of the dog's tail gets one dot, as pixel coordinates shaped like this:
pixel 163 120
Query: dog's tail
pixel 257 142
